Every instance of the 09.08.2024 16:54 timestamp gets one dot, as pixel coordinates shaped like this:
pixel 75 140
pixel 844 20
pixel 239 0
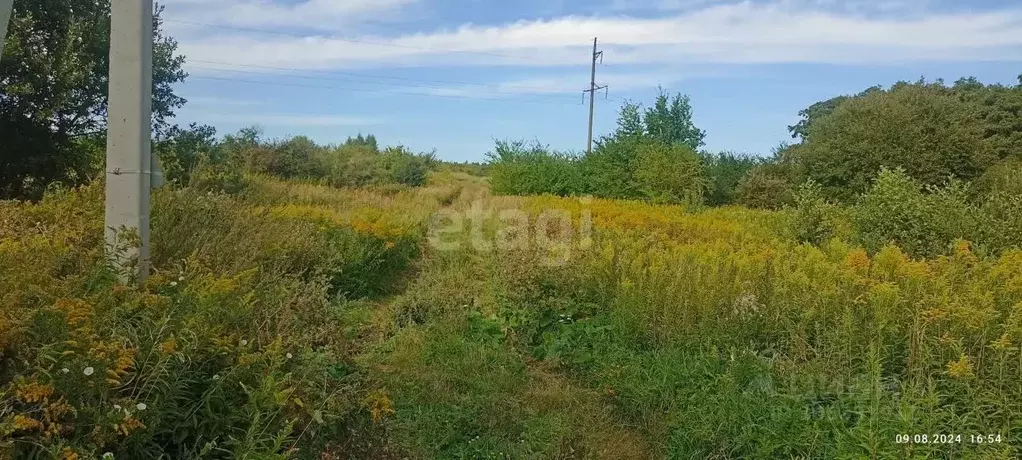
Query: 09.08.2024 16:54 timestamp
pixel 938 438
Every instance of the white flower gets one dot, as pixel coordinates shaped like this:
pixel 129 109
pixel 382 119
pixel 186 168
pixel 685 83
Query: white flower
pixel 216 377
pixel 244 343
pixel 65 370
pixel 88 371
pixel 180 278
pixel 108 455
pixel 173 283
pixel 117 406
pixel 289 356
pixel 141 406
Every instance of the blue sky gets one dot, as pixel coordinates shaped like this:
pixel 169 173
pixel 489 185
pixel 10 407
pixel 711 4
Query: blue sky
pixel 455 74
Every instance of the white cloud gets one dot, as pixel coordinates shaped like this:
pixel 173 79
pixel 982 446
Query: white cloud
pixel 214 101
pixel 290 120
pixel 306 14
pixel 568 86
pixel 736 33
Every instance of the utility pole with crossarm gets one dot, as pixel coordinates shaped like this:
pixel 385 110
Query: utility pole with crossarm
pixel 592 95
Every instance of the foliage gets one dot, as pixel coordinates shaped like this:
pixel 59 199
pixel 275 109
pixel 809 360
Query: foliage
pixel 669 121
pixel 763 187
pixel 669 174
pixel 797 350
pixel 819 110
pixel 53 90
pixel 517 168
pixel 923 128
pixel 231 349
pixel 815 219
pixel 997 108
pixel 651 156
pixel 184 149
pixel 897 210
pixel 725 171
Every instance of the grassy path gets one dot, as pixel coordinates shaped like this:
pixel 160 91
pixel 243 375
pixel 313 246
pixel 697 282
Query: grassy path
pixel 459 389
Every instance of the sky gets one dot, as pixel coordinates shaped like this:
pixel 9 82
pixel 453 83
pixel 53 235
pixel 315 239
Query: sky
pixel 455 75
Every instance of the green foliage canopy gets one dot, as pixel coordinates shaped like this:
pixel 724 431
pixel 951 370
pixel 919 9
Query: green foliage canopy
pixel 53 91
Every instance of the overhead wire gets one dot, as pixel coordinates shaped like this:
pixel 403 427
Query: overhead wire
pixel 400 93
pixel 547 92
pixel 380 77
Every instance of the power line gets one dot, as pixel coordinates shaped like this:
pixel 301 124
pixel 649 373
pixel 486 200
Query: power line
pixel 485 85
pixel 349 40
pixel 401 93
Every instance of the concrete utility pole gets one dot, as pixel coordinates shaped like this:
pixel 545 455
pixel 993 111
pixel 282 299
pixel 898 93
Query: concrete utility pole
pixel 592 95
pixel 129 130
pixel 6 6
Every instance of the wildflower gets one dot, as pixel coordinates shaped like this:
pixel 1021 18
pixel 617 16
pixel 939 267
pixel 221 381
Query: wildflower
pixel 117 406
pixel 173 283
pixel 216 377
pixel 1002 343
pixel 65 370
pixel 960 369
pixel 289 356
pixel 244 343
pixel 26 423
pixel 141 406
pixel 108 456
pixel 181 278
pixel 88 371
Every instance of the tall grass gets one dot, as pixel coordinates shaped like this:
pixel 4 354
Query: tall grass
pixel 713 334
pixel 233 348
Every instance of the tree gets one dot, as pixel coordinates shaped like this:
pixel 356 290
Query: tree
pixel 53 90
pixel 629 121
pixel 669 173
pixel 820 110
pixel 923 128
pixel 183 149
pixel 999 109
pixel 669 120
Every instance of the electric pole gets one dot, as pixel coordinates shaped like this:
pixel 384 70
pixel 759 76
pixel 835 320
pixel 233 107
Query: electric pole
pixel 5 17
pixel 592 95
pixel 129 133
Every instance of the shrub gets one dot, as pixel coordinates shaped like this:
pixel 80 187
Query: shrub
pixel 725 172
pixel 520 169
pixel 403 167
pixel 610 168
pixel 669 173
pixel 763 188
pixel 924 129
pixel 923 221
pixel 183 150
pixel 815 219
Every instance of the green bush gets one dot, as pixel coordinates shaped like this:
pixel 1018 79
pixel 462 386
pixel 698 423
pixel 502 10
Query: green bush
pixel 610 168
pixel 924 129
pixel 816 220
pixel 764 188
pixel 520 169
pixel 669 174
pixel 923 221
pixel 725 172
pixel 403 167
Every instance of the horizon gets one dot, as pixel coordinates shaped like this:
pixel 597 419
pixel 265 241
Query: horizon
pixel 455 76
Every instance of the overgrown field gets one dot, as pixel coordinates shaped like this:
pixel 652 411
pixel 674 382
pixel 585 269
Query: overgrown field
pixel 303 321
pixel 236 347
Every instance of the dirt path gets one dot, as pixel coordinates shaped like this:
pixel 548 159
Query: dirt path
pixel 401 330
